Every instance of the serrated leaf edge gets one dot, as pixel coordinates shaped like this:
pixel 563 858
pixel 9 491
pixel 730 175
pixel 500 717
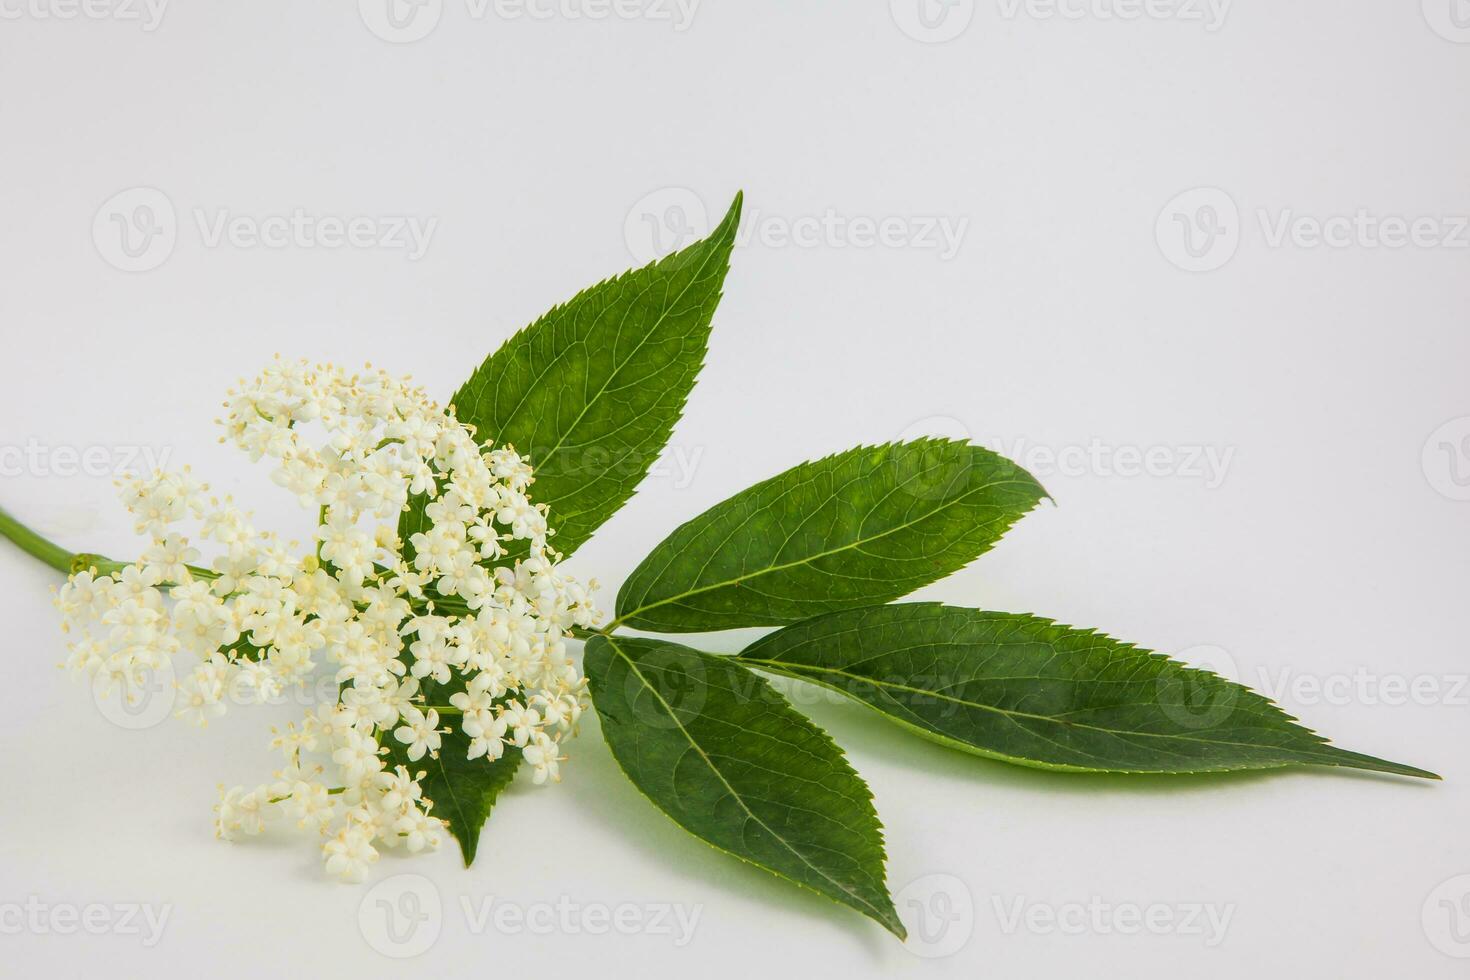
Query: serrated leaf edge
pixel 629 616
pixel 891 921
pixel 1369 763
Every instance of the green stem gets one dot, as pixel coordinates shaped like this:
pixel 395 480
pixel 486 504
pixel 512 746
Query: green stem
pixel 101 566
pixel 64 561
pixel 334 791
pixel 34 545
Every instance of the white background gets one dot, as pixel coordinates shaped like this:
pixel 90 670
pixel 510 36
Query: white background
pixel 1331 549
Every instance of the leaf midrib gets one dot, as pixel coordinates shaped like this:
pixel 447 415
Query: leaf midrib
pixel 617 369
pixel 848 546
pixel 668 709
pixel 801 671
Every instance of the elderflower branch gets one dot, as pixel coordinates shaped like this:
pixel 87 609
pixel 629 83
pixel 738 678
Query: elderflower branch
pixel 333 791
pixel 98 565
pixel 393 622
pixel 321 520
pixel 34 545
pixel 64 561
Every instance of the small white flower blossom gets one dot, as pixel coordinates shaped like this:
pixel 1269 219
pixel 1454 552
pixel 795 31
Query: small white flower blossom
pixel 420 734
pixel 350 854
pixel 392 623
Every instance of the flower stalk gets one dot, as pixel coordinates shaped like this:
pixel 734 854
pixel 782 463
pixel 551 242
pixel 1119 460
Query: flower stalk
pixel 35 545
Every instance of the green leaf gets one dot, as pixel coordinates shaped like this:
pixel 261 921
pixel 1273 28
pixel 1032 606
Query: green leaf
pixel 855 529
pixel 717 749
pixel 1026 690
pixel 591 391
pixel 463 790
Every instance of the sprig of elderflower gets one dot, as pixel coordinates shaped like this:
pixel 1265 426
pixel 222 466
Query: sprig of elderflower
pixel 464 625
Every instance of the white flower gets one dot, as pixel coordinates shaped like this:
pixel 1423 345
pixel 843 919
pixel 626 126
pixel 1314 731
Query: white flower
pixel 420 734
pixel 523 721
pixel 169 557
pixel 377 614
pixel 204 691
pixel 239 811
pixel 349 854
pixel 258 679
pixel 418 830
pixel 358 755
pixel 486 731
pixel 311 804
pixel 542 756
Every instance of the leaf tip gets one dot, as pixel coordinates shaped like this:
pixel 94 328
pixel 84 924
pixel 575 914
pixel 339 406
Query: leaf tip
pixel 731 221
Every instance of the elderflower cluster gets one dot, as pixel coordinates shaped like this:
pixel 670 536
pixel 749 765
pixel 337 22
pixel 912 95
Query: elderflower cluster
pixel 458 632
